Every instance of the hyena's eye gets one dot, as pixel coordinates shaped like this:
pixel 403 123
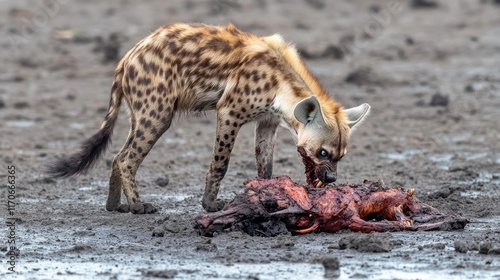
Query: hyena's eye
pixel 322 153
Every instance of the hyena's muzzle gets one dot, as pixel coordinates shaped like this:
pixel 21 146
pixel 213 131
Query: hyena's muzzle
pixel 320 173
pixel 326 172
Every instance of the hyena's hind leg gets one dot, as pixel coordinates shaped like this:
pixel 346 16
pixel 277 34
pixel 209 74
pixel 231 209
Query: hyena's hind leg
pixel 115 182
pixel 127 162
pixel 265 139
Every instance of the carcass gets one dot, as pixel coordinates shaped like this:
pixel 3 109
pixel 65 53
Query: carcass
pixel 370 206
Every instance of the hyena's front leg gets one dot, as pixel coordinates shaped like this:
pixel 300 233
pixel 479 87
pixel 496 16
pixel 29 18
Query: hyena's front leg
pixel 228 126
pixel 265 139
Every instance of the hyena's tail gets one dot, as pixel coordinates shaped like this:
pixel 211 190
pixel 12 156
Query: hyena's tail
pixel 94 147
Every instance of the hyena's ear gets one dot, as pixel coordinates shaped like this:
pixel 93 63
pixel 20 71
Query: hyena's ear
pixel 308 111
pixel 356 115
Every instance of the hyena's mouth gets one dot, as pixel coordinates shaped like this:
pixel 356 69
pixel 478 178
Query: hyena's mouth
pixel 310 166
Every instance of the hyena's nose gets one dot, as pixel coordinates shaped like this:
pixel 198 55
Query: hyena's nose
pixel 330 177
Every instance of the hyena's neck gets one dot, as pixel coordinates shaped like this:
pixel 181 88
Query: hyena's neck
pixel 299 83
pixel 285 105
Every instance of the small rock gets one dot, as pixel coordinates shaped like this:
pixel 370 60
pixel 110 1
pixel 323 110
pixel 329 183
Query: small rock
pixel 110 48
pixel 485 247
pixel 494 251
pixel 206 246
pixel 80 247
pixel 283 243
pixel 82 39
pixel 424 4
pixel 333 52
pixel 373 242
pixel 21 105
pixel 273 227
pixel 171 226
pixel 316 4
pixel 101 110
pixel 2 104
pixel 334 246
pixel 469 88
pixel 461 247
pixel 461 265
pixel 301 25
pixel 475 87
pixel 439 100
pixel 331 265
pixel 27 62
pixel 162 181
pixel 358 275
pixel 161 220
pixel 158 232
pixel 46 180
pixel 363 76
pixel 165 274
pixel 16 252
pixel 396 242
pixel 17 78
pixel 442 193
pixel 219 7
pixel 374 9
pixel 149 208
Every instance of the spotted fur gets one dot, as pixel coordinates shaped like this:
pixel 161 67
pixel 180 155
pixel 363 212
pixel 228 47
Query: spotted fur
pixel 196 67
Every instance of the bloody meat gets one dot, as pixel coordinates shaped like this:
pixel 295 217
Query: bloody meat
pixel 370 206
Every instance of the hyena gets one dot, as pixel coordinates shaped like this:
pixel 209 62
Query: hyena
pixel 245 78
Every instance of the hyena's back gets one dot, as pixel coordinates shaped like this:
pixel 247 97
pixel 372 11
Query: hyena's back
pixel 191 66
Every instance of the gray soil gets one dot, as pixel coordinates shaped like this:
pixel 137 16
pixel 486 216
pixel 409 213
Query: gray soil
pixel 431 73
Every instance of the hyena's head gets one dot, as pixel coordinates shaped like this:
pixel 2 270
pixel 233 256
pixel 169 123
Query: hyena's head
pixel 322 140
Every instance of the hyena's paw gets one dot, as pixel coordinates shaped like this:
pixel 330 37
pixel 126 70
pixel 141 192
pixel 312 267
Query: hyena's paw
pixel 214 206
pixel 137 208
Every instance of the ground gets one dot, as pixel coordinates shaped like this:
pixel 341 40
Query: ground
pixel 430 72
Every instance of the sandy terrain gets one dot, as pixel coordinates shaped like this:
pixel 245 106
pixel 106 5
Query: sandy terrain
pixel 430 72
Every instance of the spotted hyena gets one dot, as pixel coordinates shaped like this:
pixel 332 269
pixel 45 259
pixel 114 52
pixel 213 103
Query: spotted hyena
pixel 245 78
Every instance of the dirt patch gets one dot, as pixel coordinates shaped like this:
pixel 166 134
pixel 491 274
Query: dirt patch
pixel 365 76
pixel 373 242
pixel 164 274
